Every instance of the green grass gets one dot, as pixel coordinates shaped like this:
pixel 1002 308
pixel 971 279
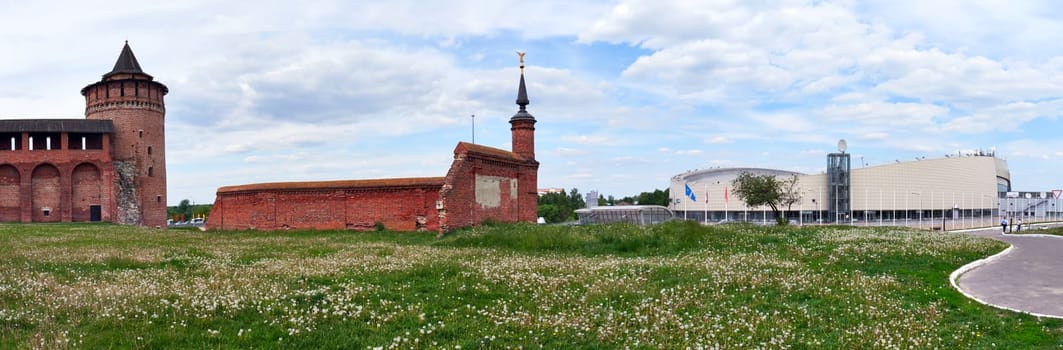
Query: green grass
pixel 1058 231
pixel 676 285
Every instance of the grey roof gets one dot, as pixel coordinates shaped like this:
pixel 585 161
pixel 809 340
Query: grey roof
pixel 522 101
pixel 728 173
pixel 127 63
pixel 57 125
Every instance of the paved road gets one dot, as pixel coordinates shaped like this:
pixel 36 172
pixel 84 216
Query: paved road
pixel 1028 278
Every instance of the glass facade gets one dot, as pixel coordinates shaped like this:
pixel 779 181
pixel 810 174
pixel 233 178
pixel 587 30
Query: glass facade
pixel 632 214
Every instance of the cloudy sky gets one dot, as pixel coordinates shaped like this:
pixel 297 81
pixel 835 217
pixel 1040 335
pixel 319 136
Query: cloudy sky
pixel 627 93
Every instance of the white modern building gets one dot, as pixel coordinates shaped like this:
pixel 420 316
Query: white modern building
pixel 924 192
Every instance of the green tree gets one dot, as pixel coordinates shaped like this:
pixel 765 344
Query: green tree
pixel 560 207
pixel 758 190
pixel 576 200
pixel 184 209
pixel 657 197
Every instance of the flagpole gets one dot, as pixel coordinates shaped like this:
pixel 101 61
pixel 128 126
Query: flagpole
pixel 706 218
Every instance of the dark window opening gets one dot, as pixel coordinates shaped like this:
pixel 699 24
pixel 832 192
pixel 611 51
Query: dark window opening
pixel 151 171
pixel 84 141
pixel 121 89
pixel 46 211
pixel 41 141
pixel 158 199
pixel 140 133
pixel 10 141
pixel 149 150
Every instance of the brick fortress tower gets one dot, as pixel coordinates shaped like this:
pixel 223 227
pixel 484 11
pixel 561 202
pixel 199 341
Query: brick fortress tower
pixel 133 101
pixel 522 128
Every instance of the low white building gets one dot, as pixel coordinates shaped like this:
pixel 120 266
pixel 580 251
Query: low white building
pixel 923 192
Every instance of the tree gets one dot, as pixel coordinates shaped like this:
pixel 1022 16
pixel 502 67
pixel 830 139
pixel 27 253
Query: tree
pixel 560 207
pixel 657 197
pixel 791 193
pixel 184 209
pixel 758 190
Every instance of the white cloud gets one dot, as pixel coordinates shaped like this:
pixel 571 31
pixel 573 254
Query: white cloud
pixel 719 140
pixel 588 140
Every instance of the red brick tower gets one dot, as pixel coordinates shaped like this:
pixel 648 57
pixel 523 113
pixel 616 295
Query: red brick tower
pixel 133 101
pixel 522 127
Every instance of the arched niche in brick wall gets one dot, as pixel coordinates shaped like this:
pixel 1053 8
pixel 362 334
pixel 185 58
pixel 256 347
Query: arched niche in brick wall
pixel 10 200
pixel 85 189
pixel 46 194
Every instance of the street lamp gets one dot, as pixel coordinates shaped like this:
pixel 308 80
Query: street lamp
pixel 815 212
pixel 920 210
pixel 956 211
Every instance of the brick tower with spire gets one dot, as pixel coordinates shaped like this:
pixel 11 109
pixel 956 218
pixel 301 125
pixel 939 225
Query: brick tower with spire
pixel 133 101
pixel 522 129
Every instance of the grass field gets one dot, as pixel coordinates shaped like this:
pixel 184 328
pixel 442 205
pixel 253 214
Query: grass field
pixel 671 286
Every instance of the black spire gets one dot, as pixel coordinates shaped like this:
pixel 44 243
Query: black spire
pixel 127 63
pixel 522 101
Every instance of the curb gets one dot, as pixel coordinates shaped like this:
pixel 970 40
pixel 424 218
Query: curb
pixel 955 276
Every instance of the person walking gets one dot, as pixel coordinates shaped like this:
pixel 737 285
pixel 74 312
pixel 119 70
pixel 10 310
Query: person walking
pixel 1019 225
pixel 1003 225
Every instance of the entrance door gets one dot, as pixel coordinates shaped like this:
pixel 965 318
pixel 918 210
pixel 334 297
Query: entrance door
pixel 94 213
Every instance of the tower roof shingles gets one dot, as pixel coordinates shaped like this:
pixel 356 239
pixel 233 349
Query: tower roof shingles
pixel 126 64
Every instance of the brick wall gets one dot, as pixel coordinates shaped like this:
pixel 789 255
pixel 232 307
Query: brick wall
pixel 46 194
pixel 399 204
pixel 10 201
pixel 86 184
pixel 483 183
pixel 486 183
pixel 61 179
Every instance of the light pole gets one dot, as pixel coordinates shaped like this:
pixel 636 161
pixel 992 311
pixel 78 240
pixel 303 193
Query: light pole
pixel 956 211
pixel 815 212
pixel 706 218
pixel 920 210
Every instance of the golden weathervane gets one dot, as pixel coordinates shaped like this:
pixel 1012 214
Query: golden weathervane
pixel 521 54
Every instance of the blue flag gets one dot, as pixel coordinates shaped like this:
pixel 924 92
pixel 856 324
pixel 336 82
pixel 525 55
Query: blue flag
pixel 690 193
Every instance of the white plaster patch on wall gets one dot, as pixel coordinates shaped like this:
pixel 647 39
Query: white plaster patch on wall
pixel 512 189
pixel 489 191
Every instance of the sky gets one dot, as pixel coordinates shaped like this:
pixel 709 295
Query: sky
pixel 626 93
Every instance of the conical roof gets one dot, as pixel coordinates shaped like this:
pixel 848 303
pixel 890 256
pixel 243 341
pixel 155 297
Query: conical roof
pixel 126 64
pixel 522 101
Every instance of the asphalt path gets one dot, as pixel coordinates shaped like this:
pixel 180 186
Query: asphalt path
pixel 1028 277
